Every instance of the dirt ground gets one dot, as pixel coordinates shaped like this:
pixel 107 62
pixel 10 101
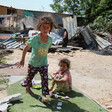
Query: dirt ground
pixel 91 73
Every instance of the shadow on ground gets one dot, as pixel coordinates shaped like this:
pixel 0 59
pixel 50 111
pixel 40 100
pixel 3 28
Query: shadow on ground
pixel 4 65
pixel 67 106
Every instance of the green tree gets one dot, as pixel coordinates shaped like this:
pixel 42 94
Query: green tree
pixel 103 15
pixel 63 6
pixel 93 10
pixel 103 7
pixel 76 7
pixel 90 8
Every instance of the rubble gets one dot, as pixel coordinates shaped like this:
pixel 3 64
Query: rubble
pixel 4 103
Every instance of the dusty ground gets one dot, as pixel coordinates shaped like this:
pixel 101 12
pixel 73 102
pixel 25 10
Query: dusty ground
pixel 91 73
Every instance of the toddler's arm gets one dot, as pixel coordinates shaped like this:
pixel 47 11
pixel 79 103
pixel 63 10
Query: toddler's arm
pixel 64 79
pixel 53 75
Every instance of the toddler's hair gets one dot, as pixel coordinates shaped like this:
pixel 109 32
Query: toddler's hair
pixel 66 61
pixel 48 19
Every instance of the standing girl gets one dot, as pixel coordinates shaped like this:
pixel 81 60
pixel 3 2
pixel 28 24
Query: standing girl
pixel 38 60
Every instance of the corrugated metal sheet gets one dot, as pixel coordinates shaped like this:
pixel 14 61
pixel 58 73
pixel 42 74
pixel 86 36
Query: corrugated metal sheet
pixel 9 44
pixel 1 40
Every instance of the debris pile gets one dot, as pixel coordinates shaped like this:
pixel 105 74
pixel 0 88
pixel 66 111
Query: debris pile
pixel 6 101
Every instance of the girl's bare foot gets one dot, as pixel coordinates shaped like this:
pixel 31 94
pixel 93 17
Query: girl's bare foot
pixel 45 100
pixel 28 90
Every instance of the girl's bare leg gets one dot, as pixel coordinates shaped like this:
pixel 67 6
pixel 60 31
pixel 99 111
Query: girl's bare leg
pixel 28 90
pixel 44 99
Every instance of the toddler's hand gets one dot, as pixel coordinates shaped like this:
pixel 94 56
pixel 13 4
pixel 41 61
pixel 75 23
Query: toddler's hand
pixel 57 80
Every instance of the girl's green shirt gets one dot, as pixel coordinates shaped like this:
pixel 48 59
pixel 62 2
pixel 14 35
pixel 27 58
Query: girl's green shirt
pixel 39 52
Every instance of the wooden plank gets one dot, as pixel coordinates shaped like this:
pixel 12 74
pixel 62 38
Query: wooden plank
pixel 64 49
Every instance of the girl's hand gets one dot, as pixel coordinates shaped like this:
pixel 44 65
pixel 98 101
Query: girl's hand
pixel 20 64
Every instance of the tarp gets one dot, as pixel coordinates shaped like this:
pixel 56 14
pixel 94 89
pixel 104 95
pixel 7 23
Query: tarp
pixel 70 24
pixel 5 20
pixel 56 38
pixel 26 22
pixel 27 13
pixel 8 20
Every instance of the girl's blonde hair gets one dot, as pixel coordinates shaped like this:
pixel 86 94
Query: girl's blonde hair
pixel 48 19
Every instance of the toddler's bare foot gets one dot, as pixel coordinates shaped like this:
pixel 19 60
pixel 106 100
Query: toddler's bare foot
pixel 28 90
pixel 50 92
pixel 45 100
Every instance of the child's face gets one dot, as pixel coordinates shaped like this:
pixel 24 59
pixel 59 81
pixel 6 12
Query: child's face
pixel 45 28
pixel 63 67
